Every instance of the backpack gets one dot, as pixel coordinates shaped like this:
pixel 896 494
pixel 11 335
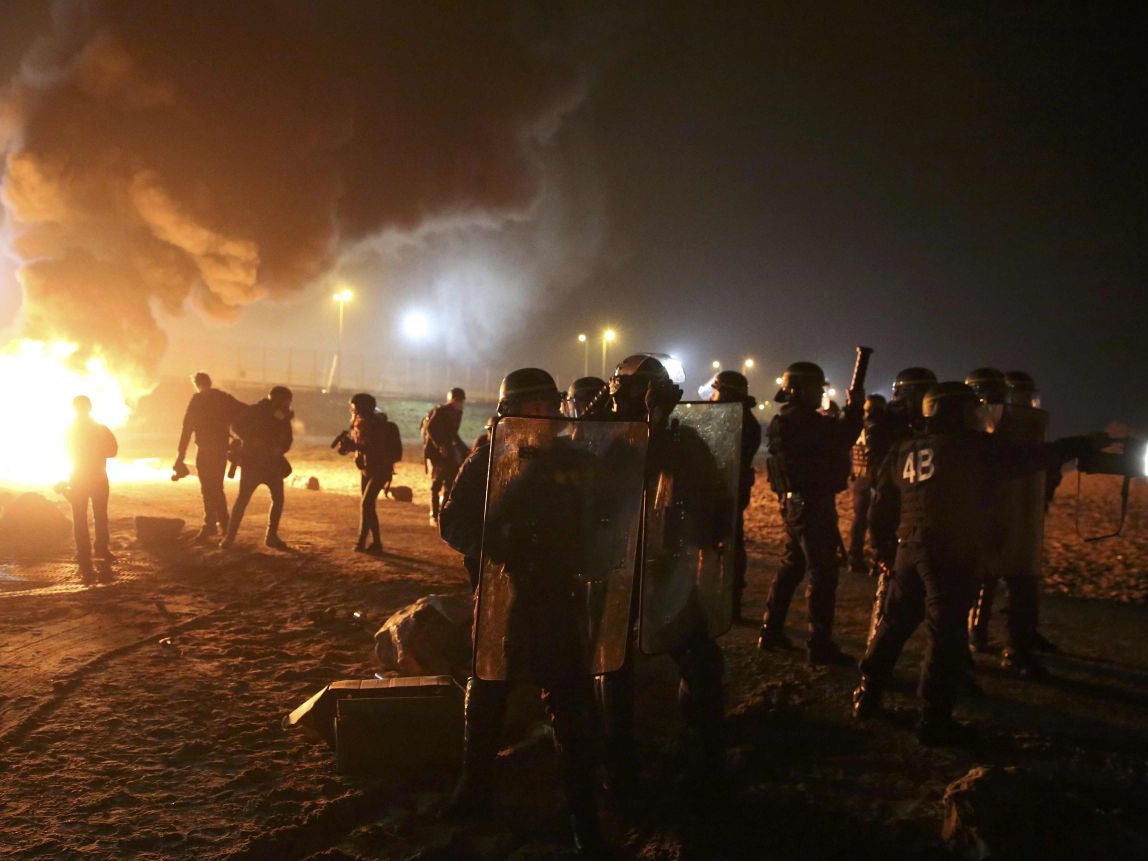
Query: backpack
pixel 392 442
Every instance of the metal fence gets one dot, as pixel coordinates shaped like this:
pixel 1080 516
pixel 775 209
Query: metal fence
pixel 385 376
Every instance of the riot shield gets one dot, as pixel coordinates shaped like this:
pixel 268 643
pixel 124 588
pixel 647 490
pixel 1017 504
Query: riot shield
pixel 559 548
pixel 689 558
pixel 1019 509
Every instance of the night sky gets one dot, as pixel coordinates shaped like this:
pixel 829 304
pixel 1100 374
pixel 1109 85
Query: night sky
pixel 952 184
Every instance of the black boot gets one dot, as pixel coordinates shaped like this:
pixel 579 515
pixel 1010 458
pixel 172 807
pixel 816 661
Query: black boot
pixel 866 698
pixel 485 704
pixel 1023 663
pixel 772 637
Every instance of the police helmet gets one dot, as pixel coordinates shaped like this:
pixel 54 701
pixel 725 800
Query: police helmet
pixel 364 403
pixel 911 378
pixel 524 386
pixel 988 384
pixel 581 393
pixel 797 376
pixel 634 376
pixel 730 385
pixel 456 394
pixel 1020 389
pixel 950 404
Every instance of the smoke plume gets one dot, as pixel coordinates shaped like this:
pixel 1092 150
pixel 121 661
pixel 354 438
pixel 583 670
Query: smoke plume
pixel 220 152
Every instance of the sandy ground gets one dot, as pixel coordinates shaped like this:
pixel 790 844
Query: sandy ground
pixel 141 719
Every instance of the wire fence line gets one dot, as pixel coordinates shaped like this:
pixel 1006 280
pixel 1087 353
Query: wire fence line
pixel 387 376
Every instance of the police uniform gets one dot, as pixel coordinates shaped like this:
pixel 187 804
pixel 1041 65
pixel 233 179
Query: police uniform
pixel 810 455
pixel 544 628
pixel 940 480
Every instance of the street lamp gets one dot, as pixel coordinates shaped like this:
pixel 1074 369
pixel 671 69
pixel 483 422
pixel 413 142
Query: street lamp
pixel 716 365
pixel 608 338
pixel 341 297
pixel 585 342
pixel 748 364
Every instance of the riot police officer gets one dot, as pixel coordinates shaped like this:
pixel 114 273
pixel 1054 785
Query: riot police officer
pixel 583 392
pixel 641 389
pixel 733 387
pixel 899 421
pixel 808 466
pixel 936 480
pixel 567 687
pixel 990 386
pixel 1014 552
pixel 865 452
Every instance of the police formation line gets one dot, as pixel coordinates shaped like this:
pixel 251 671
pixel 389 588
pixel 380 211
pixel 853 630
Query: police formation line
pixel 609 519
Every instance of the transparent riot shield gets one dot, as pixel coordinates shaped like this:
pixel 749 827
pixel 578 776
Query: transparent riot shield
pixel 1020 510
pixel 689 555
pixel 559 548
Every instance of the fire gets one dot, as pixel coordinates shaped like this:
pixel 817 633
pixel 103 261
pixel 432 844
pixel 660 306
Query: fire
pixel 38 380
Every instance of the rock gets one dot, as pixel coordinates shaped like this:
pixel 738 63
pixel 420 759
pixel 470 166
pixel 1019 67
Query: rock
pixel 32 527
pixel 431 637
pixel 307 482
pixel 158 531
pixel 995 812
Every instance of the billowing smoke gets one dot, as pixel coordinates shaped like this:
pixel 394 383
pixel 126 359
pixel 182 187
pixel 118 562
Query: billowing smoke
pixel 221 152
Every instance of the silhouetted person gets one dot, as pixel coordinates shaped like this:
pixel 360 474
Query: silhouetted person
pixel 443 448
pixel 208 418
pixel 377 446
pixel 90 444
pixel 265 430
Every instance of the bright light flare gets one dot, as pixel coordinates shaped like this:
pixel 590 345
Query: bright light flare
pixel 416 325
pixel 609 336
pixel 37 383
pixel 343 296
pixel 582 339
pixel 748 364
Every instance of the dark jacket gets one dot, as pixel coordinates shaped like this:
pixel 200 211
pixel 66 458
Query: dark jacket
pixel 443 443
pixel 266 438
pixel 939 483
pixel 815 449
pixel 90 444
pixel 208 417
pixel 377 444
pixel 461 518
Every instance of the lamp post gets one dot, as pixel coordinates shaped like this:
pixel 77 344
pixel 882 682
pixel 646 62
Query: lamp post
pixel 585 342
pixel 341 297
pixel 608 337
pixel 748 365
pixel 716 365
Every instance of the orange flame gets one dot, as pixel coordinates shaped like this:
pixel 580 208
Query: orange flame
pixel 38 380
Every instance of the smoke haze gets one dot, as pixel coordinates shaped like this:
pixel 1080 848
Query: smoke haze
pixel 160 153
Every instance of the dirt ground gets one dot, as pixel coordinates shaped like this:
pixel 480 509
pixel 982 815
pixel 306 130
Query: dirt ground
pixel 141 719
